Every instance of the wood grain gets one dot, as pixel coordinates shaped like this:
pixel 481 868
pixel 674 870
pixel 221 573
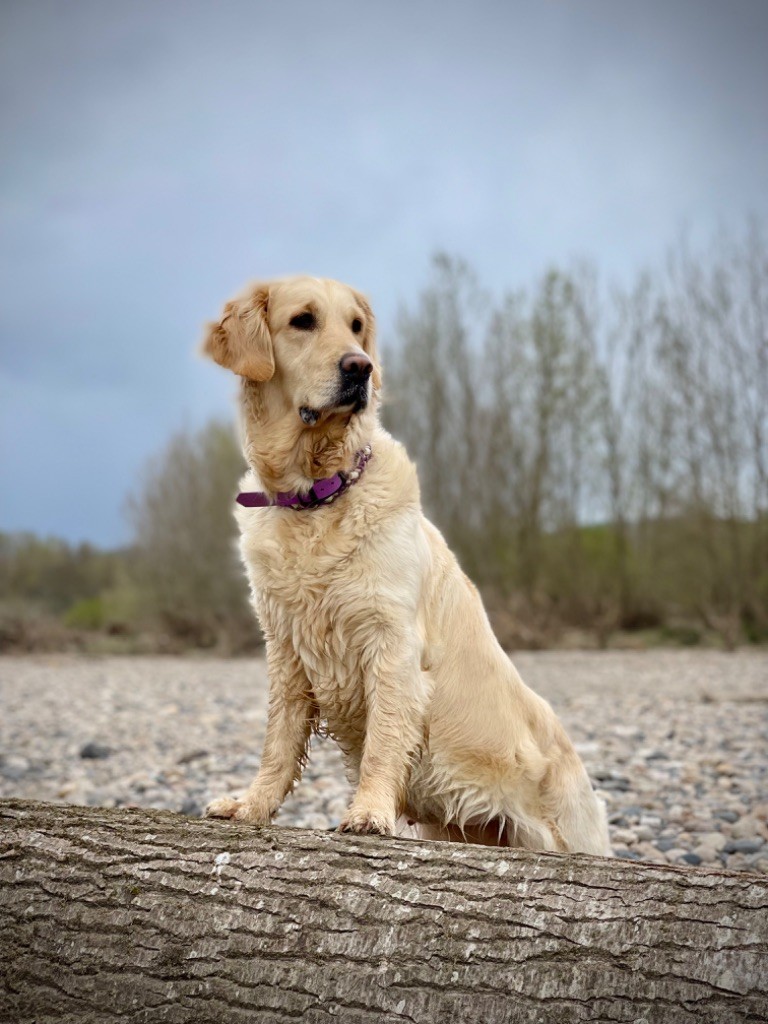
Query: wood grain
pixel 143 916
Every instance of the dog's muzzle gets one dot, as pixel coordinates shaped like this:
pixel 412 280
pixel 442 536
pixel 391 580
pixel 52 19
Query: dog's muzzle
pixel 355 370
pixel 353 388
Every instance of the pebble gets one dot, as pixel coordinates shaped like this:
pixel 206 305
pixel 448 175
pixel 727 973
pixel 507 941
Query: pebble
pixel 651 821
pixel 714 839
pixel 730 816
pixel 746 827
pixel 627 836
pixel 744 845
pixel 683 774
pixel 706 854
pixel 675 854
pixel 666 844
pixel 14 768
pixel 95 751
pixel 192 755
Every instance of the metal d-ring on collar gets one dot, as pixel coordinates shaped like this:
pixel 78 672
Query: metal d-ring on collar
pixel 322 492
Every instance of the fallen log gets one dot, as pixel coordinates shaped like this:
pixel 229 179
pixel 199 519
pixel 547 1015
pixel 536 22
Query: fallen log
pixel 115 915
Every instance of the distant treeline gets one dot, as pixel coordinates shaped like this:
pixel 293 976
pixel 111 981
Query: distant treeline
pixel 178 585
pixel 597 458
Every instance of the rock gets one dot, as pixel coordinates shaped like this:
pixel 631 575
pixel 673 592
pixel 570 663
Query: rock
pixel 666 844
pixel 633 811
pixel 95 751
pixel 675 854
pixel 736 862
pixel 706 854
pixel 609 775
pixel 191 808
pixel 337 808
pixel 192 755
pixel 99 798
pixel 74 793
pixel 140 782
pixel 626 836
pixel 730 816
pixel 691 858
pixel 629 732
pixel 14 768
pixel 745 828
pixel 714 839
pixel 649 852
pixel 618 785
pixel 587 749
pixel 744 845
pixel 698 825
pixel 319 821
pixel 651 821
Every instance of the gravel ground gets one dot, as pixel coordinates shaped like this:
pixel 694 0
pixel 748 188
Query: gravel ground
pixel 675 741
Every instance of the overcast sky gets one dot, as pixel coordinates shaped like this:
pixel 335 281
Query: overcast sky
pixel 158 155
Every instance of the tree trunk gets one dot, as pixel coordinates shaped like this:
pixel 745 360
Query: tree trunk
pixel 144 916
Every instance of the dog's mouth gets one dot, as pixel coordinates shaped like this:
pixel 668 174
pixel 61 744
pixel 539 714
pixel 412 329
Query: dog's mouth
pixel 355 395
pixel 309 416
pixel 350 398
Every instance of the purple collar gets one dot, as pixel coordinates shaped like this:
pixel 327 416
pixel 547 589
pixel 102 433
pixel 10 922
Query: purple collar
pixel 322 492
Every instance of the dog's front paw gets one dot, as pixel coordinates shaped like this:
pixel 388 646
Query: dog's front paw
pixel 248 811
pixel 225 807
pixel 368 822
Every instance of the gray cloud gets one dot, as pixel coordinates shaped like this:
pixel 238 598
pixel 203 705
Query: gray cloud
pixel 159 155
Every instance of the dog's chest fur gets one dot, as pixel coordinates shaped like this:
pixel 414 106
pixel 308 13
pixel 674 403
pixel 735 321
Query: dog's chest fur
pixel 309 585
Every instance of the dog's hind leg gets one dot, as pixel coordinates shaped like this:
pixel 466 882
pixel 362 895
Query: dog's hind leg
pixel 578 816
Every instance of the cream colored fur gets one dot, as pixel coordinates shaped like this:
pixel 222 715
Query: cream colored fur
pixel 370 624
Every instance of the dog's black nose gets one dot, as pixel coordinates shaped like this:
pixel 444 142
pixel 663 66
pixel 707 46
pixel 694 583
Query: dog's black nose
pixel 356 365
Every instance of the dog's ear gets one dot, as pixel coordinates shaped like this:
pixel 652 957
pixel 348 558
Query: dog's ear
pixel 368 339
pixel 241 341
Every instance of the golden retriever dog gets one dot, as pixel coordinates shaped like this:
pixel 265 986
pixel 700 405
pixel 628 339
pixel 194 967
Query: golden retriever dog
pixel 370 625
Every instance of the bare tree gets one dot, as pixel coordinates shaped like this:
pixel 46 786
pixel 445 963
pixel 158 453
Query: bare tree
pixel 184 528
pixel 433 380
pixel 603 455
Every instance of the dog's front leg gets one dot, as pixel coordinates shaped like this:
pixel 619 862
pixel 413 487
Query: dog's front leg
pixel 397 696
pixel 289 719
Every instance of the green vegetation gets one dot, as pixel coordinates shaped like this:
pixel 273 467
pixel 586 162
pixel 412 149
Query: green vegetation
pixel 179 585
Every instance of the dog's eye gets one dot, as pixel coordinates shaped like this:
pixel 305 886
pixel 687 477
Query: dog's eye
pixel 357 326
pixel 304 322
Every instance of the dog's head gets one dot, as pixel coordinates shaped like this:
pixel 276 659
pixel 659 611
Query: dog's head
pixel 310 342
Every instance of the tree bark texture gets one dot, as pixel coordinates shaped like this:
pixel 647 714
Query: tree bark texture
pixel 144 916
